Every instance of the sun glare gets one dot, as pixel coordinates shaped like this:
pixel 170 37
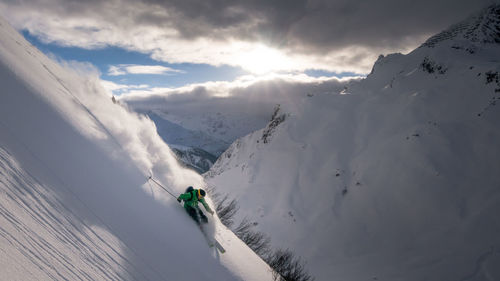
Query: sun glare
pixel 263 60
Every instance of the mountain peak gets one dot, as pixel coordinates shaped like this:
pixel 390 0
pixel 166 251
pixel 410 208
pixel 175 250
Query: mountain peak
pixel 483 27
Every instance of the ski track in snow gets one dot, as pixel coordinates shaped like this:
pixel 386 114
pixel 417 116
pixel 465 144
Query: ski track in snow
pixel 37 225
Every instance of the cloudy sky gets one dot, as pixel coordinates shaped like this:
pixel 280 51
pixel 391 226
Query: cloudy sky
pixel 173 43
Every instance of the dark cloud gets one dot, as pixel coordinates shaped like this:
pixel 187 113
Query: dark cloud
pixel 341 35
pixel 317 24
pixel 258 97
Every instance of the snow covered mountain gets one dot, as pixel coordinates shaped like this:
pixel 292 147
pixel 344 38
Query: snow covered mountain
pixel 393 178
pixel 75 200
pixel 191 146
pixel 201 121
pixel 199 132
pixel 481 28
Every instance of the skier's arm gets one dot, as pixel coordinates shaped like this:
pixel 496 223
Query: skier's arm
pixel 206 206
pixel 184 196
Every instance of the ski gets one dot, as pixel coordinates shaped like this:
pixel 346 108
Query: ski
pixel 219 247
pixel 212 242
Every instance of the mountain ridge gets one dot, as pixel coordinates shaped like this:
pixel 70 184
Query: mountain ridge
pixel 392 172
pixel 483 27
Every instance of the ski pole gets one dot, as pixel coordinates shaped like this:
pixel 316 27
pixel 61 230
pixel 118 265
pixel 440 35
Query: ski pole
pixel 159 184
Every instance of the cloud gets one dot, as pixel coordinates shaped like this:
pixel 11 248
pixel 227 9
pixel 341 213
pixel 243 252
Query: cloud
pixel 244 86
pixel 114 88
pixel 249 96
pixel 118 130
pixel 123 69
pixel 239 107
pixel 334 35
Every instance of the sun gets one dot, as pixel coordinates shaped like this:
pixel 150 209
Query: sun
pixel 261 59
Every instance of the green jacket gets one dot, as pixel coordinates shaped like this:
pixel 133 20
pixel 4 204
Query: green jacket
pixel 191 200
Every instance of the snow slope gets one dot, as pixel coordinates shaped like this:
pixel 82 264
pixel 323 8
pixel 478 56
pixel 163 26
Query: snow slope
pixel 393 178
pixel 75 202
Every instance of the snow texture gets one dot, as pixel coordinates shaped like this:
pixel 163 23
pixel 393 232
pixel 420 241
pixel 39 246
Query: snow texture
pixel 75 202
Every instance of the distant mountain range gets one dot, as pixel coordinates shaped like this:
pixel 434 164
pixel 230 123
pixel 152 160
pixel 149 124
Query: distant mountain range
pixel 199 136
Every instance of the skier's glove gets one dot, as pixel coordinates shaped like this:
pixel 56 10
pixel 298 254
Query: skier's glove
pixel 179 200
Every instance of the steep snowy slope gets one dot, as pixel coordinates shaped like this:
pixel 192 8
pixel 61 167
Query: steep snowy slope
pixel 393 178
pixel 75 203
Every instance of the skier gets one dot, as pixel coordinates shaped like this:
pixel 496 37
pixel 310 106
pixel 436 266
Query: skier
pixel 191 199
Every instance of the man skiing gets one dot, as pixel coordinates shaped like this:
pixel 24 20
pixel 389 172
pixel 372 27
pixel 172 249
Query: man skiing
pixel 191 199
